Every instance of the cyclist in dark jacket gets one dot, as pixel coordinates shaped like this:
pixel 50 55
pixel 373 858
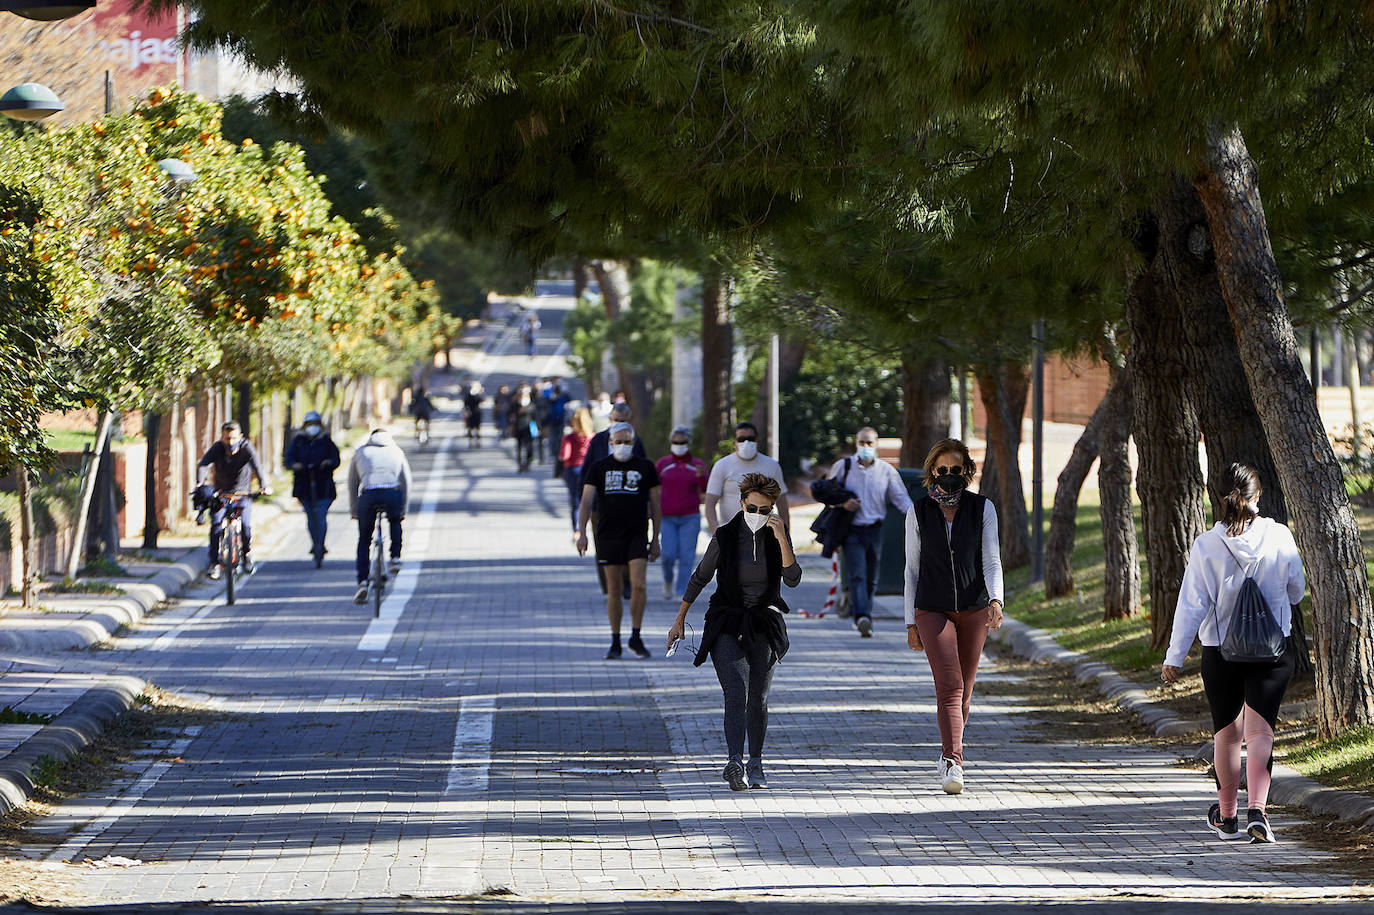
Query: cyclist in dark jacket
pixel 313 456
pixel 229 465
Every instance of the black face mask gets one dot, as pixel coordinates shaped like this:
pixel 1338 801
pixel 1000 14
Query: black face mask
pixel 951 482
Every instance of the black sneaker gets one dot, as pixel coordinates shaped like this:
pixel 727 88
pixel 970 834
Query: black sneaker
pixel 1224 827
pixel 613 654
pixel 637 646
pixel 1257 826
pixel 734 774
pixel 754 771
pixel 865 626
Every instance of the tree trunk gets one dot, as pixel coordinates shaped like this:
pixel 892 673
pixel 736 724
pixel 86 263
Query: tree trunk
pixel 579 277
pixel 28 589
pixel 791 354
pixel 717 352
pixel 1227 416
pixel 108 536
pixel 614 278
pixel 1165 420
pixel 83 513
pixel 152 427
pixel 243 406
pixel 1324 526
pixel 1064 514
pixel 925 406
pixel 1003 388
pixel 1121 597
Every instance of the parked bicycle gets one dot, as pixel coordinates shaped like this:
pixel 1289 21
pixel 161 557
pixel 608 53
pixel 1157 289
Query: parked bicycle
pixel 233 558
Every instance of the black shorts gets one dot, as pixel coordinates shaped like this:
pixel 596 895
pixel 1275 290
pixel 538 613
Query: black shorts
pixel 620 552
pixel 1232 684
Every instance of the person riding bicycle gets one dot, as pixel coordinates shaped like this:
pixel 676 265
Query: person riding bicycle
pixel 422 408
pixel 378 479
pixel 229 466
pixel 313 456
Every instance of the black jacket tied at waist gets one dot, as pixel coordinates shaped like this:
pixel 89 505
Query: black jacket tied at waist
pixel 727 614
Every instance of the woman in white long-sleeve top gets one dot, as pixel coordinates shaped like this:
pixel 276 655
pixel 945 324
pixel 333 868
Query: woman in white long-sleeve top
pixel 1244 696
pixel 953 592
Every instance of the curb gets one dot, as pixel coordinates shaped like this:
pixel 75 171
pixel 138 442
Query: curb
pixel 78 726
pixel 1287 786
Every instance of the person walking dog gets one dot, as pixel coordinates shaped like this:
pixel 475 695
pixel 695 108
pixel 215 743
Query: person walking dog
pixel 1242 577
pixel 750 556
pixel 953 592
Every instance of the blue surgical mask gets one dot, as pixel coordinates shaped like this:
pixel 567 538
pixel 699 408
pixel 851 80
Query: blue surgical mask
pixel 866 452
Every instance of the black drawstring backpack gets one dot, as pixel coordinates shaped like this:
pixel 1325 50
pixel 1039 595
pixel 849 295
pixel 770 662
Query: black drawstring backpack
pixel 1254 635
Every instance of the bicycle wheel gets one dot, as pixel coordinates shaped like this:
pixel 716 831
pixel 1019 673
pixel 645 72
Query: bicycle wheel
pixel 229 560
pixel 378 582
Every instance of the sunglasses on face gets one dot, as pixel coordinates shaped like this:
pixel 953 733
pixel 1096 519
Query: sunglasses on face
pixel 746 438
pixel 753 509
pixel 954 470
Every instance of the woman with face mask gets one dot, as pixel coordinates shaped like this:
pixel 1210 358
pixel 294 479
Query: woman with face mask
pixel 953 593
pixel 314 456
pixel 750 557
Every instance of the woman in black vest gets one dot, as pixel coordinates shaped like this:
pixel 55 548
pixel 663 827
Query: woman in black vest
pixel 953 594
pixel 751 557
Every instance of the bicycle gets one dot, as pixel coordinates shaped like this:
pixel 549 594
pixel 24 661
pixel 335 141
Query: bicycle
pixel 376 579
pixel 232 556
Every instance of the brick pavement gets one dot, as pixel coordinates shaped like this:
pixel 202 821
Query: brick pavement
pixel 488 749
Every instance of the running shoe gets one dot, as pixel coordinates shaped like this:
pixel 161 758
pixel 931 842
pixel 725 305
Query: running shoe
pixel 951 776
pixel 865 626
pixel 637 646
pixel 249 566
pixel 1257 825
pixel 613 654
pixel 734 774
pixel 754 771
pixel 1225 827
pixel 360 596
pixel 667 590
pixel 216 573
pixel 394 567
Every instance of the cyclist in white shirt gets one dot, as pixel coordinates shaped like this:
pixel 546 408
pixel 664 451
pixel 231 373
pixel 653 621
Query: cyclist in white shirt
pixel 378 477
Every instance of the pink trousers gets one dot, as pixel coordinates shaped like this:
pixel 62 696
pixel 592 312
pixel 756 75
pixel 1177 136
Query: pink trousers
pixel 953 644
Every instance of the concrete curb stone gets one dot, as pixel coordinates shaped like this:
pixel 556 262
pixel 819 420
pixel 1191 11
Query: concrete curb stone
pixel 79 725
pixel 1287 787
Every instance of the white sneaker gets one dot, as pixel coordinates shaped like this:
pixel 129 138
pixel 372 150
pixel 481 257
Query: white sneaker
pixel 951 776
pixel 360 597
pixel 394 567
pixel 667 590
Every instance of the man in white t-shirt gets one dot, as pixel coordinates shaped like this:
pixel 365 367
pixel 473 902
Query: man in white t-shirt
pixel 722 489
pixel 875 483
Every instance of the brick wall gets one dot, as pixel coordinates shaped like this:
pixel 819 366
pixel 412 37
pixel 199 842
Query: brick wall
pixel 1073 389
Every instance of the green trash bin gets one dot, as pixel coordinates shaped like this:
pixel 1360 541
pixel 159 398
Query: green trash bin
pixel 892 562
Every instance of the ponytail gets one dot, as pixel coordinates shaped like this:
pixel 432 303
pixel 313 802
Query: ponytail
pixel 1241 490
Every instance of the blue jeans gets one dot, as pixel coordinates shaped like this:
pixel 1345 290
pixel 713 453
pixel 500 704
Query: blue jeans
pixel 316 513
pixel 217 525
pixel 572 476
pixel 389 500
pixel 861 550
pixel 679 542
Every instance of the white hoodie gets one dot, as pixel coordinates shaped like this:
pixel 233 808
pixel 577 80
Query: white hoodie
pixel 1213 578
pixel 378 464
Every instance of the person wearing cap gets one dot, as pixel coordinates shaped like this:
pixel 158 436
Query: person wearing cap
pixel 313 456
pixel 683 478
pixel 378 478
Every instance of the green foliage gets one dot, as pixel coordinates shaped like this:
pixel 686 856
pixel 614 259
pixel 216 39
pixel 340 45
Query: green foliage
pixel 9 715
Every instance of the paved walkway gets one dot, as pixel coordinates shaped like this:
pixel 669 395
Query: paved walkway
pixel 473 741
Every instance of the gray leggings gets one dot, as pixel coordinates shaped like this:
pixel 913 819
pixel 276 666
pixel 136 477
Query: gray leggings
pixel 745 681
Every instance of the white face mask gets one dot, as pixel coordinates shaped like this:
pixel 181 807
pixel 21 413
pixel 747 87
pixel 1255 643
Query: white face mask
pixel 755 521
pixel 866 452
pixel 747 450
pixel 622 452
pixel 679 450
pixel 313 429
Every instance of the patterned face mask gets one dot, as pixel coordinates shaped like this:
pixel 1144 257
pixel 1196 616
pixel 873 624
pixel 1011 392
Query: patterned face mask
pixel 945 499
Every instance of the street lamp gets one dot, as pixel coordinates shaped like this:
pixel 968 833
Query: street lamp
pixel 46 10
pixel 30 102
pixel 179 171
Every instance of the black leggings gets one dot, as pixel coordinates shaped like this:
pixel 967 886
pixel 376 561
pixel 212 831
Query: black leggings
pixel 745 679
pixel 1230 685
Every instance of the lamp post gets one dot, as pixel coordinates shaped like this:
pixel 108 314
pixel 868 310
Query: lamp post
pixel 30 102
pixel 46 10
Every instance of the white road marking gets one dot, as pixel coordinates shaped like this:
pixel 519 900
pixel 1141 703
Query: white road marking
pixel 164 641
pixel 470 762
pixel 379 631
pixel 113 811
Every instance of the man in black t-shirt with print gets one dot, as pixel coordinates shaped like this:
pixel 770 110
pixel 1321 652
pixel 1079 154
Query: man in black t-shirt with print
pixel 624 487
